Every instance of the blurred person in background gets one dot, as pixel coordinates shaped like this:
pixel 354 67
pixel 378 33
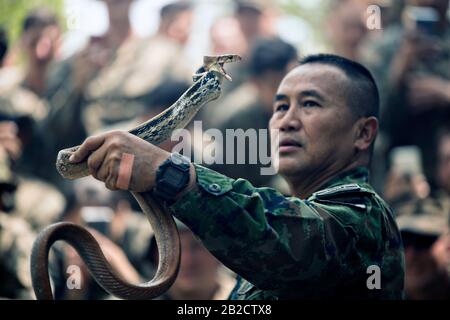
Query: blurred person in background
pixel 23 90
pixel 425 233
pixel 412 64
pixel 346 27
pixel 256 18
pixel 443 164
pixel 227 37
pixel 201 275
pixel 70 79
pixel 21 110
pixel 250 106
pixel 25 87
pixel 161 56
pixel 16 235
pixel 33 200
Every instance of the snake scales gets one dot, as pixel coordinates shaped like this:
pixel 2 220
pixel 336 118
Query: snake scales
pixel 206 87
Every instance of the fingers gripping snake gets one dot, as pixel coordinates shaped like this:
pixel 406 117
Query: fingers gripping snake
pixel 206 87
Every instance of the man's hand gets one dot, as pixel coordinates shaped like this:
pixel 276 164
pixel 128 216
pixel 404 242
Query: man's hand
pixel 9 139
pixel 119 156
pixel 414 47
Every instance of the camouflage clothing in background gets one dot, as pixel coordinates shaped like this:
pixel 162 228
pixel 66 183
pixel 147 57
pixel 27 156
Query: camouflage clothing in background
pixel 16 99
pixel 399 124
pixel 285 248
pixel 114 95
pixel 16 241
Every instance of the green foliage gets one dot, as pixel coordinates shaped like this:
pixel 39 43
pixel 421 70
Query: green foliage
pixel 13 12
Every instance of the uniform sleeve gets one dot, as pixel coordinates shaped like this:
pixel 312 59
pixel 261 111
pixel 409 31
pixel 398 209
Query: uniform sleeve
pixel 272 241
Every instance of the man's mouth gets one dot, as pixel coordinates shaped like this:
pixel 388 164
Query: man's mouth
pixel 288 145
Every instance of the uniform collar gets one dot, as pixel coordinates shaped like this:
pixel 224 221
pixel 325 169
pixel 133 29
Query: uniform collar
pixel 355 175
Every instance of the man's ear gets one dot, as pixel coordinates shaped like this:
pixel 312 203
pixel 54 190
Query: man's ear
pixel 365 132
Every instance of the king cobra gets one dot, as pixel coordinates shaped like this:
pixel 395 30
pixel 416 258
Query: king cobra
pixel 206 87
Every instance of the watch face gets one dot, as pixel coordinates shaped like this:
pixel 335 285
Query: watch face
pixel 173 174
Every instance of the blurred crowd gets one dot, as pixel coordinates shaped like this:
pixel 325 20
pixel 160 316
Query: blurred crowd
pixel 119 80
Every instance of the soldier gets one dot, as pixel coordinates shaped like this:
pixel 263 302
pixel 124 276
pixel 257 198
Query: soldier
pixel 424 229
pixel 443 165
pixel 25 89
pixel 320 243
pixel 412 65
pixel 137 67
pixel 23 92
pixel 16 238
pixel 32 199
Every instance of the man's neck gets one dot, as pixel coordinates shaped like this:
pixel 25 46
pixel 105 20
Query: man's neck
pixel 35 79
pixel 117 35
pixel 304 186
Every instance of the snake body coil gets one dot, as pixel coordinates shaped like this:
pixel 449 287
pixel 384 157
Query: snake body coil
pixel 207 87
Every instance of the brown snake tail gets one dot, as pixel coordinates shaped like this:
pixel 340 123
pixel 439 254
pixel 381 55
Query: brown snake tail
pixel 88 248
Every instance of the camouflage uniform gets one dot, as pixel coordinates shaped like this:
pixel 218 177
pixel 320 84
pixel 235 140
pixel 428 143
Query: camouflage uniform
pixel 16 99
pixel 287 248
pixel 16 241
pixel 20 104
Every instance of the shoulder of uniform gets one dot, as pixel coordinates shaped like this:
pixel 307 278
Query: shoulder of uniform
pixel 353 195
pixel 339 190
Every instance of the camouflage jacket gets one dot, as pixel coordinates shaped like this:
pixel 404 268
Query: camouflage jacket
pixel 16 241
pixel 288 248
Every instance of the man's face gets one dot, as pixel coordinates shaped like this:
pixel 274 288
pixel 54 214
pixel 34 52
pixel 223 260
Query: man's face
pixel 444 163
pixel 42 43
pixel 347 24
pixel 180 28
pixel 314 123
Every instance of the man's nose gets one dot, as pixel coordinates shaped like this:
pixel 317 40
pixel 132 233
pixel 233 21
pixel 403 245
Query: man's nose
pixel 291 120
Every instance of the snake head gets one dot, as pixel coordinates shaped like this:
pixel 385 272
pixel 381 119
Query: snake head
pixel 215 63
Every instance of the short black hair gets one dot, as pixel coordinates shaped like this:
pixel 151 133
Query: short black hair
pixel 39 18
pixel 172 9
pixel 363 96
pixel 3 44
pixel 272 54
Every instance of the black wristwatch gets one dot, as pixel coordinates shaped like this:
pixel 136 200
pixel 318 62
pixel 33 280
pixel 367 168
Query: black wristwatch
pixel 172 177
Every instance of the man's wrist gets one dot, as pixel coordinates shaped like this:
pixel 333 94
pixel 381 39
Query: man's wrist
pixel 192 184
pixel 172 177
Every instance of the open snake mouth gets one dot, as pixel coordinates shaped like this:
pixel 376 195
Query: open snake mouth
pixel 217 63
pixel 224 73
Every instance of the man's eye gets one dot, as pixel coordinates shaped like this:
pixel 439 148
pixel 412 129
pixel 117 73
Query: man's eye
pixel 310 103
pixel 281 107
